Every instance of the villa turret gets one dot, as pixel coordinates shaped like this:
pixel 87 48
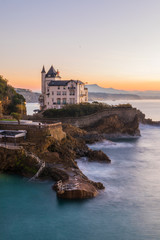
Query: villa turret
pixel 43 73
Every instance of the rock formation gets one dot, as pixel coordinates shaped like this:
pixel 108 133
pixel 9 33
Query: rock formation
pixel 142 119
pixel 48 157
pixel 57 150
pixel 114 125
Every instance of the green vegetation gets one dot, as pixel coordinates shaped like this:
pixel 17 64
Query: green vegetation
pixel 7 119
pixel 10 101
pixel 82 109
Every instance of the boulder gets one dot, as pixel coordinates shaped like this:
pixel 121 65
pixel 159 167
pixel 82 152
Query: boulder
pixel 98 156
pixel 72 189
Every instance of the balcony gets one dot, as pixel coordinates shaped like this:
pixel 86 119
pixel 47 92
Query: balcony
pixel 71 88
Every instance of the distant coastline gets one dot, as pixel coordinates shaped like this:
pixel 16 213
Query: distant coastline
pixel 96 92
pixel 30 97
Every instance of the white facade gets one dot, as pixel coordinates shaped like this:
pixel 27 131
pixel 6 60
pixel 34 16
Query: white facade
pixel 56 93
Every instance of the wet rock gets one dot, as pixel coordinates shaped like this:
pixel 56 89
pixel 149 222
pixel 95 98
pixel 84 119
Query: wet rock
pixel 58 174
pixel 74 189
pixel 113 125
pixel 93 136
pixel 98 185
pixel 98 156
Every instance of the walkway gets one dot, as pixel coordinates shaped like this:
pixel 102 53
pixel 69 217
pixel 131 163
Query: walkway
pixel 10 146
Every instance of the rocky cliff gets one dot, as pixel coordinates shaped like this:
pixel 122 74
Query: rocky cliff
pixel 111 121
pixel 46 156
pixel 142 119
pixel 114 125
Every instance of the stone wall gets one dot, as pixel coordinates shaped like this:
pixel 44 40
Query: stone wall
pixel 35 131
pixel 126 114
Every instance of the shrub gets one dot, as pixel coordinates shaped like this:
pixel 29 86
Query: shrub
pixel 82 109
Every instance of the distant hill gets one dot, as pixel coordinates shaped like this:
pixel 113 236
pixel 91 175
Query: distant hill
pixel 95 96
pixel 30 97
pixel 94 88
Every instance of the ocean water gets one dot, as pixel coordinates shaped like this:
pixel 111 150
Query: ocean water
pixel 128 209
pixel 31 107
pixel 149 107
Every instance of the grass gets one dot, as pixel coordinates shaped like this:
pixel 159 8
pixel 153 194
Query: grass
pixel 5 119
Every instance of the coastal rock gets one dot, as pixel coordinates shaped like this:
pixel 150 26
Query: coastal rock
pixel 57 174
pixel 58 158
pixel 93 136
pixel 98 185
pixel 15 161
pixel 73 131
pixel 74 189
pixel 98 156
pixel 114 125
pixel 142 119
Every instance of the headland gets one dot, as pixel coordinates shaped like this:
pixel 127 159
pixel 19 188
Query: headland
pixel 50 148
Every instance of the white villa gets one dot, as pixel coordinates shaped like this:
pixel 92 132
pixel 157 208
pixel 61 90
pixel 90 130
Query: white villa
pixel 55 93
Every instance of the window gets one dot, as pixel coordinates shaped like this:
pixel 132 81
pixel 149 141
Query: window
pixel 52 93
pixel 52 99
pixel 64 100
pixel 72 92
pixel 48 90
pixel 72 100
pixel 64 87
pixel 64 93
pixel 58 87
pixel 58 101
pixel 58 93
pixel 48 103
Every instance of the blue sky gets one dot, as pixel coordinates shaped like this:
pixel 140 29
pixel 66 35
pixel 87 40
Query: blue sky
pixel 113 43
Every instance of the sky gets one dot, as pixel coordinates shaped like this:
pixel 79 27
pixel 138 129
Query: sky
pixel 112 43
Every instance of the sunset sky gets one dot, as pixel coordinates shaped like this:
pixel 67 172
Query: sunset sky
pixel 113 43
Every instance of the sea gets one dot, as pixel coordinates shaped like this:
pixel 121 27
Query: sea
pixel 128 208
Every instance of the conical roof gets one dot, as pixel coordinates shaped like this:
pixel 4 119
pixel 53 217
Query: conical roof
pixel 43 70
pixel 52 72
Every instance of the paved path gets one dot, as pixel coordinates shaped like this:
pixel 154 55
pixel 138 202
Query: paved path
pixel 10 146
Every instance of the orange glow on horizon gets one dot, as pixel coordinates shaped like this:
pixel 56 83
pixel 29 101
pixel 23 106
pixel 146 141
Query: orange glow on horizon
pixel 131 86
pixel 34 82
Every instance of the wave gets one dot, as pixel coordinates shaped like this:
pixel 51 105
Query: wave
pixel 147 126
pixel 110 144
pixel 97 171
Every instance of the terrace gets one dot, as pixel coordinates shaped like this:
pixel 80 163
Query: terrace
pixel 11 135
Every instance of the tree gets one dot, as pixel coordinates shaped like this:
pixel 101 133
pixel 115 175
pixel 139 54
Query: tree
pixel 16 116
pixel 11 101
